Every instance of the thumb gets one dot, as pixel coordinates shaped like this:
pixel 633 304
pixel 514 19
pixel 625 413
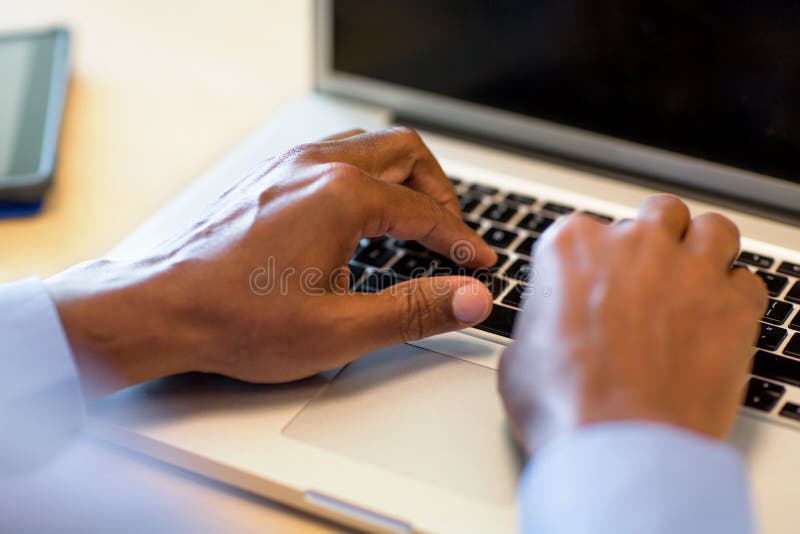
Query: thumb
pixel 423 307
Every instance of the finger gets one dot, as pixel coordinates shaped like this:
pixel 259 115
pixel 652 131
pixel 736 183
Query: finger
pixel 668 211
pixel 402 213
pixel 753 287
pixel 399 156
pixel 715 237
pixel 571 224
pixel 419 308
pixel 754 291
pixel 343 135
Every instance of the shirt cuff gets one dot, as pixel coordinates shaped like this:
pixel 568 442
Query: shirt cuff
pixel 633 477
pixel 41 402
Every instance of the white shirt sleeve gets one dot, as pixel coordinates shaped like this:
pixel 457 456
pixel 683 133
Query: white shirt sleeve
pixel 41 403
pixel 634 477
pixel 54 478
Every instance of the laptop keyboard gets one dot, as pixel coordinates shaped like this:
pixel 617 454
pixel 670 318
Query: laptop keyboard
pixel 512 222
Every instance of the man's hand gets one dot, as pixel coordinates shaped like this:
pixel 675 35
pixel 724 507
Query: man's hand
pixel 642 320
pixel 257 289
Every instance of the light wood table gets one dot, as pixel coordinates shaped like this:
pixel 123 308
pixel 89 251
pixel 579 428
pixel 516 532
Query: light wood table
pixel 159 90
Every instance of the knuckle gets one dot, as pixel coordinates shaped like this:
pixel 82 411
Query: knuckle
pixel 435 208
pixel 341 179
pixel 305 151
pixel 667 200
pixel 568 228
pixel 407 133
pixel 719 222
pixel 410 140
pixel 417 315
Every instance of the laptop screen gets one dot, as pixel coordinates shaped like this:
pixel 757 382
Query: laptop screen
pixel 713 80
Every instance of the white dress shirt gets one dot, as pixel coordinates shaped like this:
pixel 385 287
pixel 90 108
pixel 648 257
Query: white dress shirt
pixel 621 478
pixel 41 405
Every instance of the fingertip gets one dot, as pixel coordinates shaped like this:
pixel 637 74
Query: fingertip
pixel 488 257
pixel 472 302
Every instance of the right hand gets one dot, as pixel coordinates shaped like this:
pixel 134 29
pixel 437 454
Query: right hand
pixel 642 320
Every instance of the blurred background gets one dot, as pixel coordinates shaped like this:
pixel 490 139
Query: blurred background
pixel 159 90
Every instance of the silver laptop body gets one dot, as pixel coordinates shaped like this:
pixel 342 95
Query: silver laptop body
pixel 413 437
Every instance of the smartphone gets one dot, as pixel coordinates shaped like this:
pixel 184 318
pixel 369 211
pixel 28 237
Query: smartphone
pixel 33 86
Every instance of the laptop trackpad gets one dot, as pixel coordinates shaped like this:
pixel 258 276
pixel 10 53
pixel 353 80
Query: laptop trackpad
pixel 415 412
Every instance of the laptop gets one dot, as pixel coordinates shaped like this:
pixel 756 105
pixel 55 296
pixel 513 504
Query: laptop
pixel 535 110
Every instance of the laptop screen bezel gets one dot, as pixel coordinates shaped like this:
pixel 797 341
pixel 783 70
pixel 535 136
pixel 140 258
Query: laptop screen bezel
pixel 537 134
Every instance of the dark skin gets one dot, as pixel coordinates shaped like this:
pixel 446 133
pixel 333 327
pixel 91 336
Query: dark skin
pixel 608 343
pixel 198 301
pixel 629 331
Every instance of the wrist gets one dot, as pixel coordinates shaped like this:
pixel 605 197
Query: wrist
pixel 118 324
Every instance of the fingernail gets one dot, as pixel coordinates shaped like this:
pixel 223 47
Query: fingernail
pixel 471 302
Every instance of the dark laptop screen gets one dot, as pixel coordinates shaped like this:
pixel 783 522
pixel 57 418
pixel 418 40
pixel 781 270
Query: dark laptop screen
pixel 715 80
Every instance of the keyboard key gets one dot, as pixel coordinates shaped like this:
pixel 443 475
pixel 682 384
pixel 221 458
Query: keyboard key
pixel 499 212
pixel 775 282
pixel 520 270
pixel 497 237
pixel 455 181
pixel 771 337
pixel 778 368
pixel 791 411
pixel 795 324
pixel 473 224
pixel 501 259
pixel 516 294
pixel 792 269
pixel 535 222
pixel 777 311
pixel 607 219
pixel 355 273
pixel 468 203
pixel 794 294
pixel 375 254
pixel 447 267
pixel 410 245
pixel 561 209
pixel 412 265
pixel 376 240
pixel 756 260
pixel 526 246
pixel 521 199
pixel 496 285
pixel 483 189
pixel 763 395
pixel 500 321
pixel 793 347
pixel 378 281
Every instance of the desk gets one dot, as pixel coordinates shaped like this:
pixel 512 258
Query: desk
pixel 159 90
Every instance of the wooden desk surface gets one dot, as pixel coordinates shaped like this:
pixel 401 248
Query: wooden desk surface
pixel 159 90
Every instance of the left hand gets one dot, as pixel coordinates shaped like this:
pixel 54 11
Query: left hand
pixel 201 300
